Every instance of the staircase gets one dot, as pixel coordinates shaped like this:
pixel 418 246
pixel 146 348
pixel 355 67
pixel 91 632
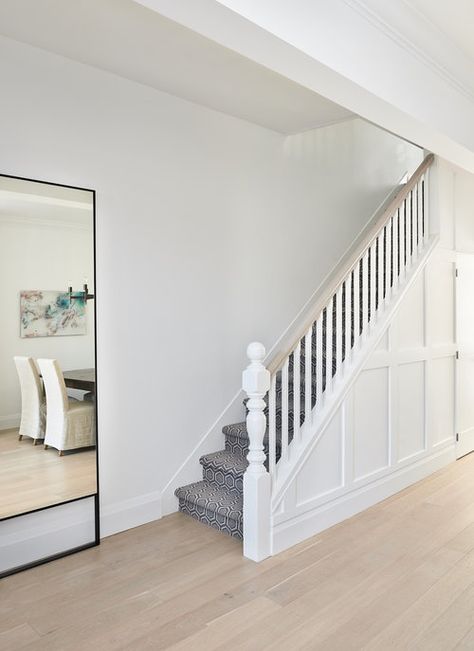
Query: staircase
pixel 310 377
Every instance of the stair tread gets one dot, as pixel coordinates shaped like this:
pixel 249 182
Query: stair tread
pixel 239 430
pixel 213 498
pixel 226 461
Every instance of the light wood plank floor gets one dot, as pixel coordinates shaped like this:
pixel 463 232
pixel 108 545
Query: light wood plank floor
pixel 398 576
pixel 32 477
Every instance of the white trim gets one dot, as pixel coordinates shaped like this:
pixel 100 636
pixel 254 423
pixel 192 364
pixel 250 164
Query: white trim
pixel 293 531
pixel 397 20
pixel 130 513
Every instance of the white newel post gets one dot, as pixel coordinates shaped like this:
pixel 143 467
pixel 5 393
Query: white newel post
pixel 256 383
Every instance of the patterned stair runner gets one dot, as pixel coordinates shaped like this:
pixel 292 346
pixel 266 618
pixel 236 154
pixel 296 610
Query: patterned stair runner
pixel 217 499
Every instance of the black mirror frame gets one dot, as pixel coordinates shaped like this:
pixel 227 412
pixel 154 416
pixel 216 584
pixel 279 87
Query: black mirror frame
pixel 96 541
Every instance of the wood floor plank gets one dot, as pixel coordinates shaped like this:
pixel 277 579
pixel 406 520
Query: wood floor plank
pixel 397 576
pixel 32 477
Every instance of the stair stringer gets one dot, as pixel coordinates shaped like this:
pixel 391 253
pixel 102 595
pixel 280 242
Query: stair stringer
pixel 299 452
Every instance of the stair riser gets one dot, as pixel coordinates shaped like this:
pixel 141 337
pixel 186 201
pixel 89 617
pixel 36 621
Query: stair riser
pixel 233 483
pixel 238 445
pixel 225 524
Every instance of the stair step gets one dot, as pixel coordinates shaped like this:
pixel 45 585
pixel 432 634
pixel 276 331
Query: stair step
pixel 215 506
pixel 237 440
pixel 225 469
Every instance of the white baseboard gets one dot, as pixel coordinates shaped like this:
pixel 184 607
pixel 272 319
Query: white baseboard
pixel 295 530
pixel 131 513
pixel 9 422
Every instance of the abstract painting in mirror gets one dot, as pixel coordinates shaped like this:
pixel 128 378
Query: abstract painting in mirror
pixel 48 397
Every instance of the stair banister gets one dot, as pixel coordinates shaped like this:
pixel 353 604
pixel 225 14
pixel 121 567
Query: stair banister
pixel 322 352
pixel 257 481
pixel 288 343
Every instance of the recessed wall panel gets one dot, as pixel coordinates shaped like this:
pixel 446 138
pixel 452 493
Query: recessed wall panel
pixel 410 317
pixel 371 423
pixel 322 472
pixel 411 410
pixel 440 277
pixel 442 399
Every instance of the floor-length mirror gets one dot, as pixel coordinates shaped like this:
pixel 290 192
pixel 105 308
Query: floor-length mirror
pixel 48 397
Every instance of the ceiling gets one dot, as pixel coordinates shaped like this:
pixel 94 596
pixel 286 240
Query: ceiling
pixel 455 18
pixel 130 40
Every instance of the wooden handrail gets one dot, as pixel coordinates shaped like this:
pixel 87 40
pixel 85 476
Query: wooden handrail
pixel 290 341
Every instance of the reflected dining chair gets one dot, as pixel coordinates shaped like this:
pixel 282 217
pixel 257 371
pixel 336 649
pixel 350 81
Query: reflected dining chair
pixel 70 424
pixel 33 407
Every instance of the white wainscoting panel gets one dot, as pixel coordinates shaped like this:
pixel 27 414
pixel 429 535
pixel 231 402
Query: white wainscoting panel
pixel 395 426
pixel 371 422
pixel 411 410
pixel 466 395
pixel 442 400
pixel 411 317
pixel 323 471
pixel 441 305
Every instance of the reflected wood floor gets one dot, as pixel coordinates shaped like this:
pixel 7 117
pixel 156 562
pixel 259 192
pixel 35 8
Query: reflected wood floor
pixel 398 576
pixel 31 477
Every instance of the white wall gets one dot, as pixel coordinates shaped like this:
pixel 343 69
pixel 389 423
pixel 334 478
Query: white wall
pixel 398 422
pixel 37 255
pixel 211 232
pixel 377 59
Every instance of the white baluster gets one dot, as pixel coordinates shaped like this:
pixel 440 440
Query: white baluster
pixel 296 393
pixel 373 281
pixel 319 361
pixel 409 231
pixel 388 260
pixel 380 281
pixel 329 345
pixel 256 382
pixel 356 281
pixel 348 318
pixel 339 334
pixel 419 214
pixel 395 249
pixel 308 351
pixel 272 426
pixel 284 411
pixel 424 217
pixel 365 293
pixel 402 215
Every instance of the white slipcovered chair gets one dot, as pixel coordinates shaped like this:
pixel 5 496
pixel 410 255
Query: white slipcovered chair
pixel 70 424
pixel 33 407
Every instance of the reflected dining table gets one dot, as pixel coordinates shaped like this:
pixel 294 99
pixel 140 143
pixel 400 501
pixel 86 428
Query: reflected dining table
pixel 81 378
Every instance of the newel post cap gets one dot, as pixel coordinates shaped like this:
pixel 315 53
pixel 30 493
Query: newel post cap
pixel 256 378
pixel 256 351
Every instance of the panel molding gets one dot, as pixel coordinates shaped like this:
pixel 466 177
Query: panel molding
pixel 312 521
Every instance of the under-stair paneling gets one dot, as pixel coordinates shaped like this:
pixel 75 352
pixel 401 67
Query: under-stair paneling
pixel 396 423
pixel 441 304
pixel 411 317
pixel 442 400
pixel 465 381
pixel 411 439
pixel 322 472
pixel 371 422
pixel 463 193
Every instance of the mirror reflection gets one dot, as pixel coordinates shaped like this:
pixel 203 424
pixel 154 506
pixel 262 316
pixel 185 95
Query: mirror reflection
pixel 47 346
